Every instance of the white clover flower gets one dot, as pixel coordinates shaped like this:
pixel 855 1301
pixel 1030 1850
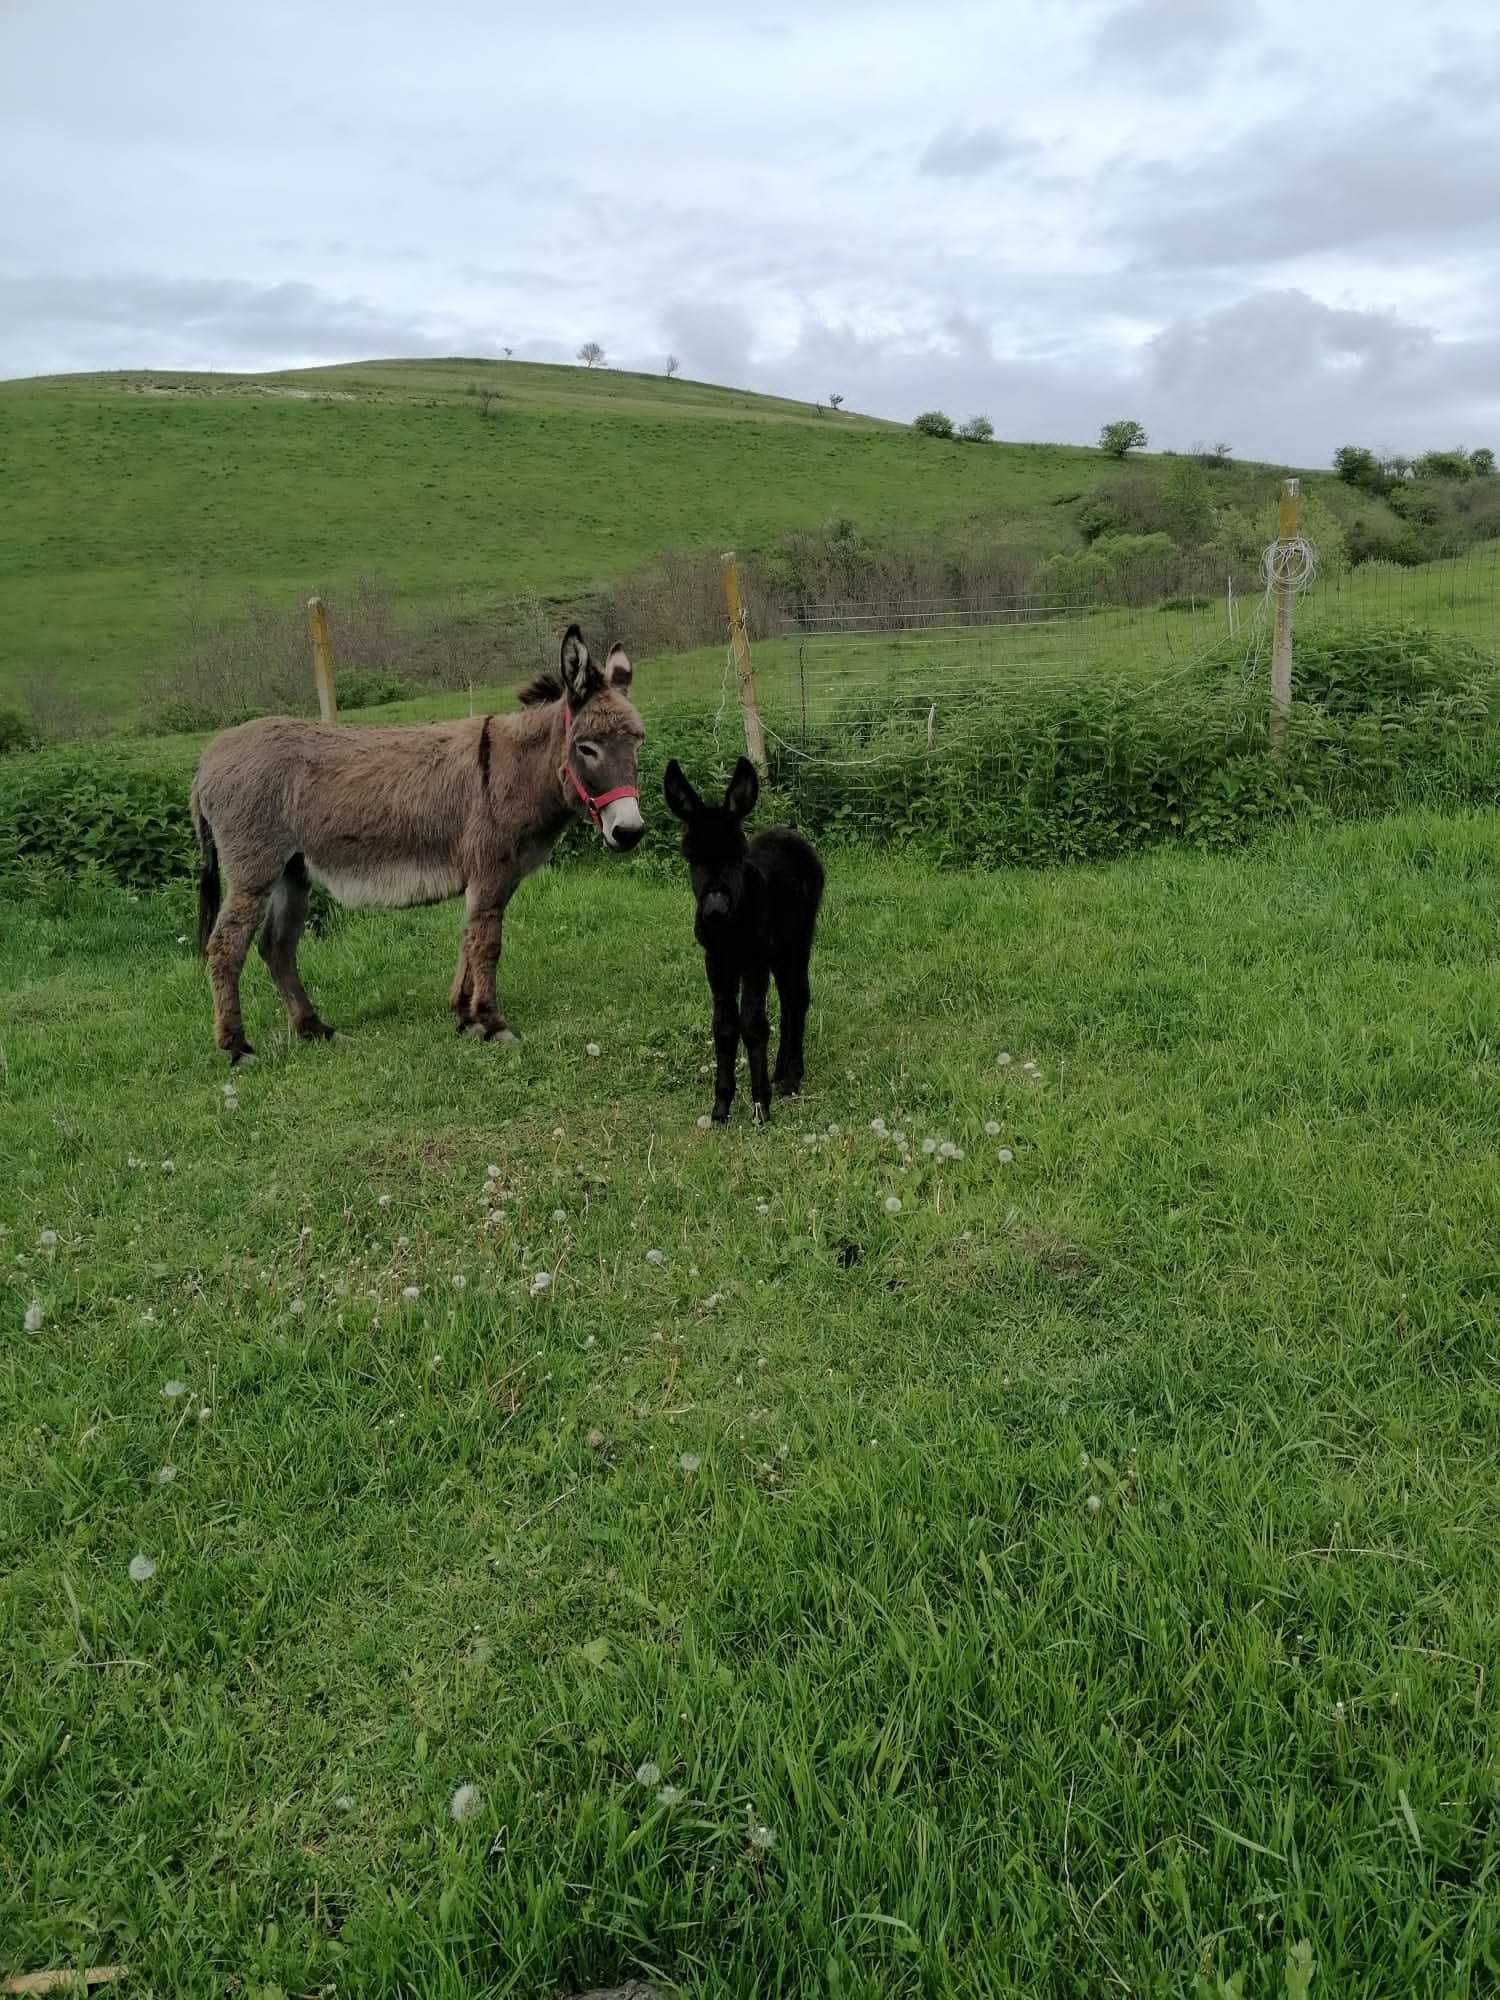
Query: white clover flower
pixel 705 1069
pixel 411 1292
pixel 169 1166
pixel 992 1128
pixel 648 1774
pixel 655 1257
pixel 1004 1155
pixel 592 1049
pixel 167 1474
pixel 463 1804
pixel 893 1204
pixel 142 1569
pixel 690 1461
pixel 172 1390
pixel 48 1239
pixel 1094 1503
pixel 670 1795
pixel 132 1162
pixel 34 1317
pixel 540 1283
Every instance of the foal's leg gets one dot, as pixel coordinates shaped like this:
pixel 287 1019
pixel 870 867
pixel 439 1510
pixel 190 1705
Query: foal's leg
pixel 725 988
pixel 278 947
pixel 485 912
pixel 756 1028
pixel 796 997
pixel 238 921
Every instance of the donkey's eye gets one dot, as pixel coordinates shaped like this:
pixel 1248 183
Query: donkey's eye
pixel 589 750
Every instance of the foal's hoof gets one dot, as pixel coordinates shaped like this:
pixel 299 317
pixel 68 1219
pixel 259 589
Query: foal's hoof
pixel 788 1086
pixel 720 1114
pixel 501 1033
pixel 761 1112
pixel 314 1030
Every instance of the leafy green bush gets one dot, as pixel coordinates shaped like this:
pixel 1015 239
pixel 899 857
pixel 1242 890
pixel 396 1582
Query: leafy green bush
pixel 73 810
pixel 359 688
pixel 1371 669
pixel 16 732
pixel 934 424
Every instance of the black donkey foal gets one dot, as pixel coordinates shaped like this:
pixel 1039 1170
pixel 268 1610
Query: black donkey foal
pixel 757 908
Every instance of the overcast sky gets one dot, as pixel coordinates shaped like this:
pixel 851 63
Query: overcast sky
pixel 1274 225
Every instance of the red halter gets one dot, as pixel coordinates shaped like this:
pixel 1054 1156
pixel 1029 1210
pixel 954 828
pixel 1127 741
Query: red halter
pixel 596 802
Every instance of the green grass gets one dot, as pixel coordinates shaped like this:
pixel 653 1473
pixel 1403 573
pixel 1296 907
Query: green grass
pixel 1239 1284
pixel 121 510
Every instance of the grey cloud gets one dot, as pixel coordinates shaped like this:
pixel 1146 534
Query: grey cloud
pixel 961 153
pixel 1175 40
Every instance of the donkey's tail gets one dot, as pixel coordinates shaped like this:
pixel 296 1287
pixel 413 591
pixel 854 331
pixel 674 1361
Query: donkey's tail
pixel 210 890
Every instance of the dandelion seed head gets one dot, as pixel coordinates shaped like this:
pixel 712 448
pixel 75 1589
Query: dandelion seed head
pixel 893 1204
pixel 463 1804
pixel 411 1291
pixel 878 1127
pixel 169 1166
pixel 34 1317
pixel 385 1201
pixel 297 1306
pixel 592 1340
pixel 704 1122
pixel 670 1795
pixel 492 1172
pixel 592 1049
pixel 343 1803
pixel 167 1474
pixel 761 1836
pixel 557 1132
pixel 540 1282
pixel 648 1774
pixel 172 1390
pixel 1004 1155
pixel 762 1208
pixel 205 1411
pixel 460 1282
pixel 1083 1461
pixel 690 1461
pixel 1094 1503
pixel 142 1569
pixel 655 1257
pixel 929 1146
pixel 1005 1059
pixel 835 1131
pixel 595 1440
pixel 48 1239
pixel 559 1215
pixel 992 1128
pixel 713 1299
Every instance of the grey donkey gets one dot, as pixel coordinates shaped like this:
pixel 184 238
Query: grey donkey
pixel 396 817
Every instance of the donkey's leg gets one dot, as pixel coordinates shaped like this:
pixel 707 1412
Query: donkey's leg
pixel 278 940
pixel 461 990
pixel 756 1028
pixel 481 944
pixel 796 997
pixel 237 923
pixel 724 985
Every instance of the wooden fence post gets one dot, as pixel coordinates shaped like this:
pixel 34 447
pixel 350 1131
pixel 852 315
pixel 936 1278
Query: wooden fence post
pixel 317 625
pixel 1281 648
pixel 739 639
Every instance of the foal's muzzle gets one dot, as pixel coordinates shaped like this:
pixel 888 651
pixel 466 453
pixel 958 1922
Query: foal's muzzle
pixel 714 904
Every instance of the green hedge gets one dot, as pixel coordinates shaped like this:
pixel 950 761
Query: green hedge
pixel 1012 775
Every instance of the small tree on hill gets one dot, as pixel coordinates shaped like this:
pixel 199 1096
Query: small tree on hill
pixel 1358 467
pixel 1482 463
pixel 835 403
pixel 933 424
pixel 1118 438
pixel 673 364
pixel 591 354
pixel 507 352
pixel 978 430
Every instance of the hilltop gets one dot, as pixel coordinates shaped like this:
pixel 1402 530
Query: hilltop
pixel 134 502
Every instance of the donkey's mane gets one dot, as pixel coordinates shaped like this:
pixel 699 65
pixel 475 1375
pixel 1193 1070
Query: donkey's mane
pixel 546 687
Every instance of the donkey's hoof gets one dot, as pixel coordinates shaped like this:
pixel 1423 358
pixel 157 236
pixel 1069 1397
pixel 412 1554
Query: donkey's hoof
pixel 240 1052
pixel 314 1030
pixel 500 1033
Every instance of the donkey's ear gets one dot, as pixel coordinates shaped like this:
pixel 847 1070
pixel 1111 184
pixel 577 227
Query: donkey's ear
pixel 743 790
pixel 581 677
pixel 680 796
pixel 618 671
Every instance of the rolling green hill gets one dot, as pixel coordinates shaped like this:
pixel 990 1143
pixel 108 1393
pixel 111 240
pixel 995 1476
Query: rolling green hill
pixel 132 503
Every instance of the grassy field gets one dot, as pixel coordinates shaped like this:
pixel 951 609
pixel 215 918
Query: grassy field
pixel 127 501
pixel 1076 1580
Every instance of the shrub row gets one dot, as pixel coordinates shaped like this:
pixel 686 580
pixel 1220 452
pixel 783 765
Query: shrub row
pixel 1009 775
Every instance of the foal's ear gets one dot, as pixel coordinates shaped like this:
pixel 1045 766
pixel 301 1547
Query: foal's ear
pixel 680 796
pixel 618 671
pixel 743 790
pixel 581 677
